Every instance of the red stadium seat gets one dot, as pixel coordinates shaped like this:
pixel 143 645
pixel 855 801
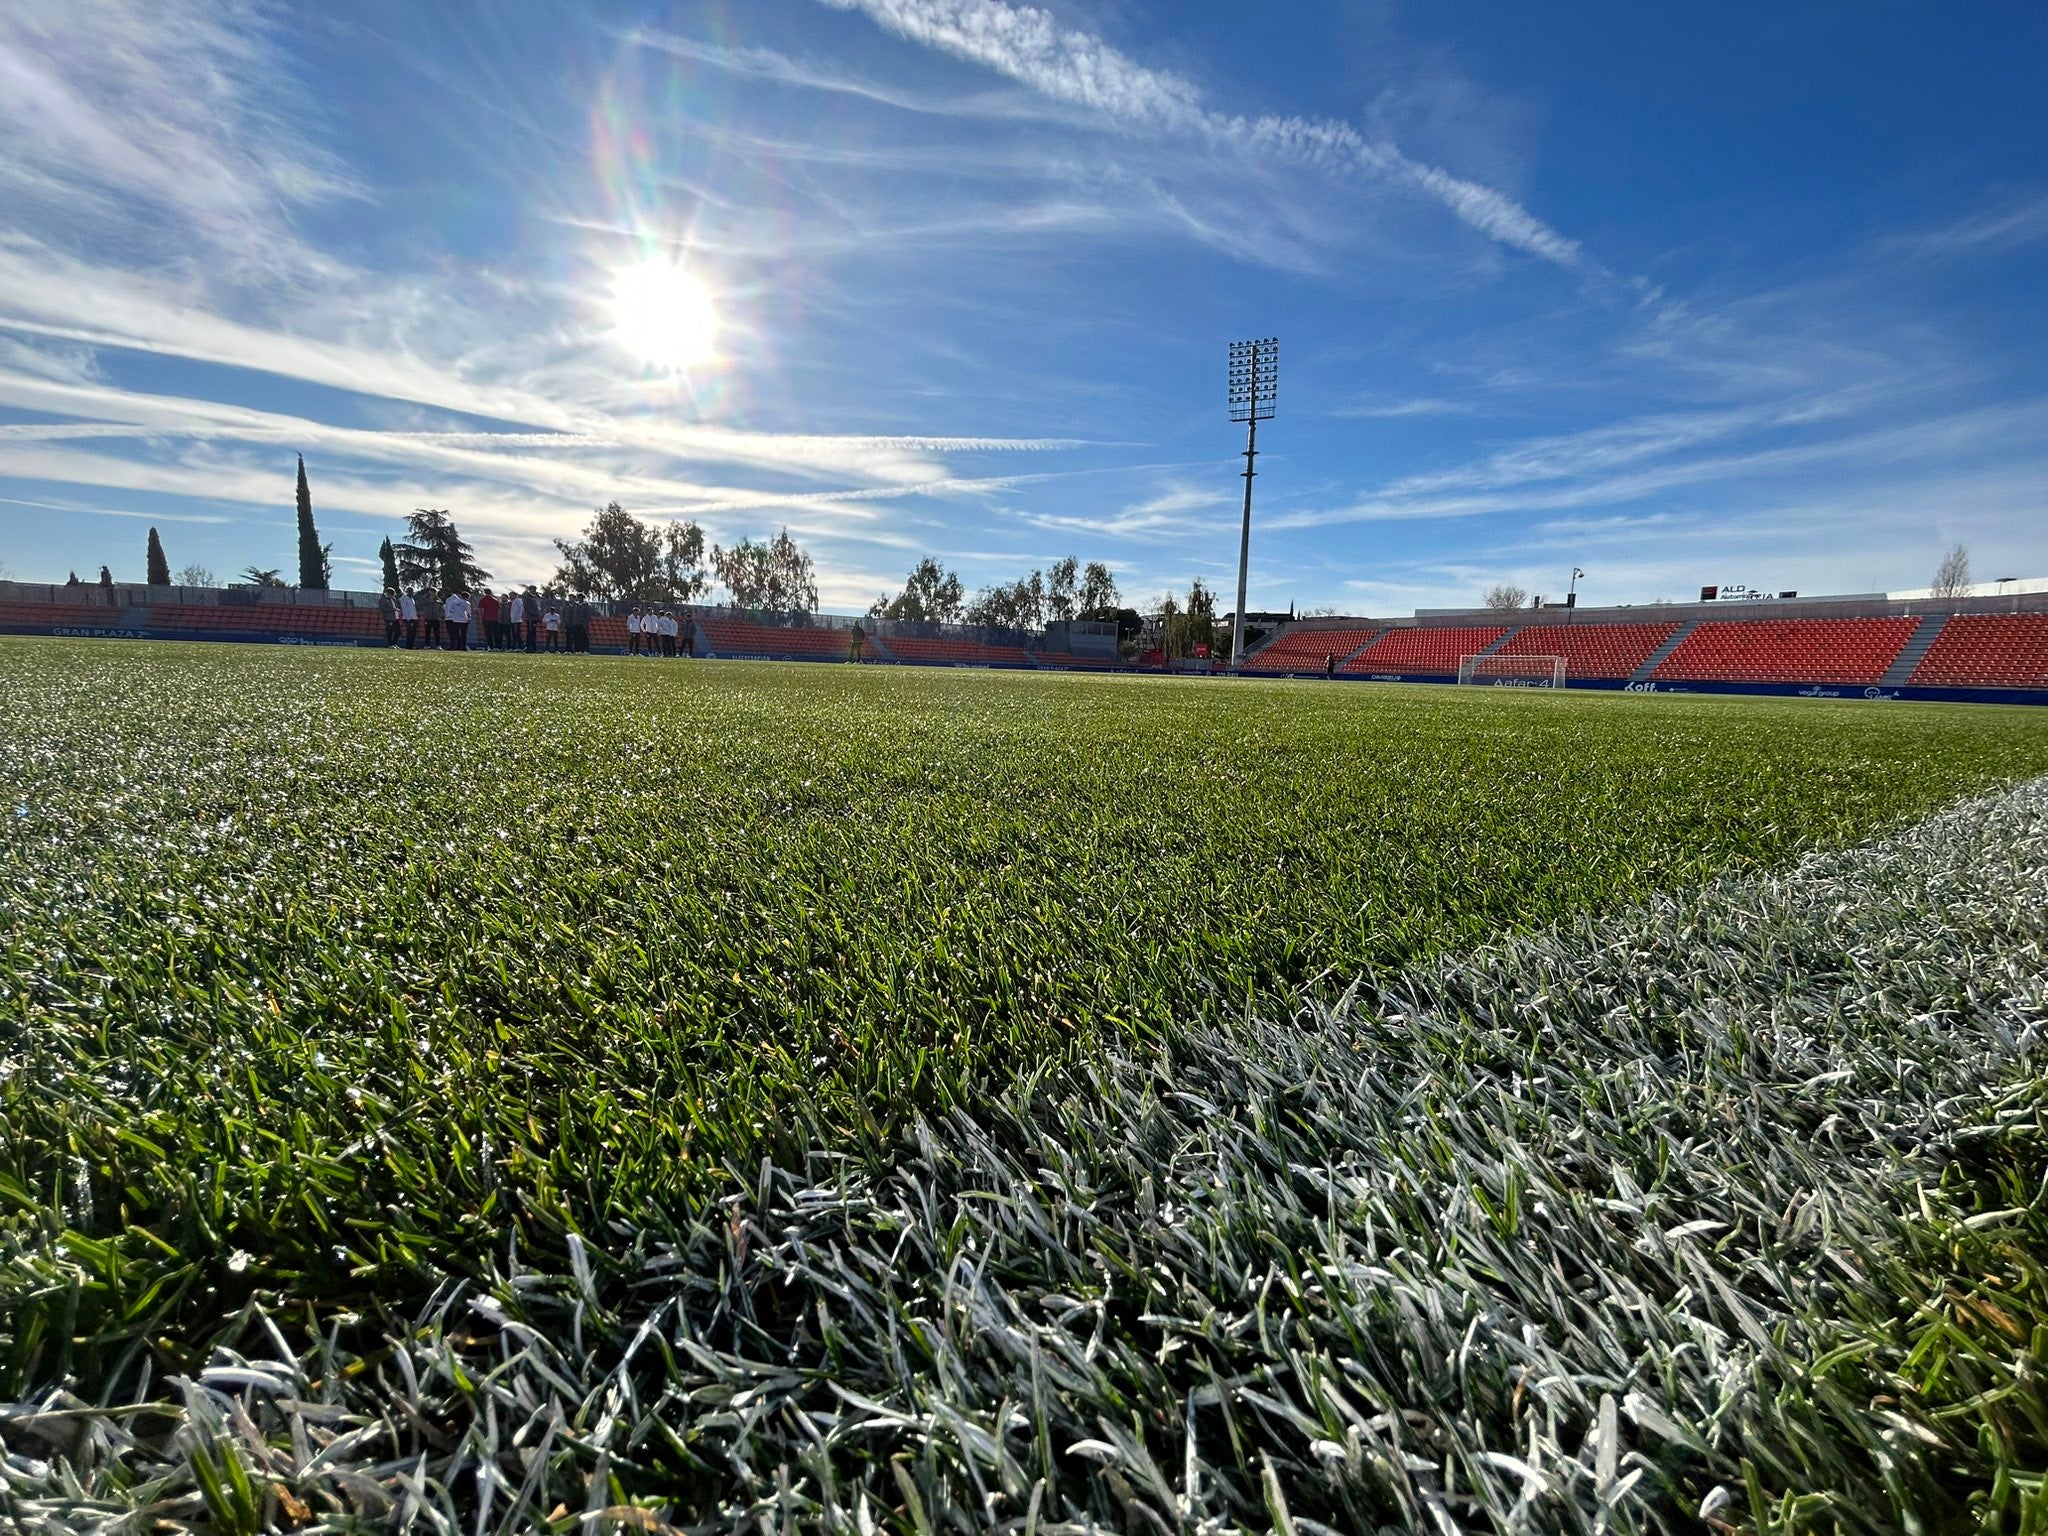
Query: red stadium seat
pixel 1788 651
pixel 732 635
pixel 1424 652
pixel 1592 650
pixel 955 653
pixel 1303 650
pixel 1988 650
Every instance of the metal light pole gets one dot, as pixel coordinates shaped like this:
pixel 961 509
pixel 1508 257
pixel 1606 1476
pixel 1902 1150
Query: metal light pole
pixel 1571 599
pixel 1254 385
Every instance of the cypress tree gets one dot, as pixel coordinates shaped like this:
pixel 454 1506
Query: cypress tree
pixel 159 567
pixel 390 558
pixel 312 559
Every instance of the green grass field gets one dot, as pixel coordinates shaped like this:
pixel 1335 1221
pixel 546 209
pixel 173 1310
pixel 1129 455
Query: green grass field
pixel 328 980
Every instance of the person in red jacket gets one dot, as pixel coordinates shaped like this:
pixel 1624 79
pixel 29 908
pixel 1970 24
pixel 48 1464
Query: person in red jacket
pixel 487 618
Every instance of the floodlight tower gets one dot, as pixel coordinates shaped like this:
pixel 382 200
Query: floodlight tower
pixel 1254 386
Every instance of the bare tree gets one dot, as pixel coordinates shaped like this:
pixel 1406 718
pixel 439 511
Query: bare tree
pixel 196 575
pixel 1506 598
pixel 1952 576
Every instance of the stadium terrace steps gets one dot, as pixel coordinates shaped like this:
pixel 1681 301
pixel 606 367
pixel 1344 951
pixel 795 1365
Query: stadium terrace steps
pixel 1343 660
pixel 1657 657
pixel 1597 649
pixel 1496 647
pixel 1424 652
pixel 1987 650
pixel 1303 650
pixel 1901 669
pixel 1787 651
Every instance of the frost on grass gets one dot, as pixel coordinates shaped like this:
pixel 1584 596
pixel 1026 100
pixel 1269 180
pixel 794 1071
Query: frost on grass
pixel 1728 1212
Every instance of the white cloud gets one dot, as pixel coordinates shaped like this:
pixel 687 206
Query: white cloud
pixel 163 109
pixel 44 294
pixel 1030 46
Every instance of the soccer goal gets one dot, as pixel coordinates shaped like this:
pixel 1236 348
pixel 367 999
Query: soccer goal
pixel 1512 671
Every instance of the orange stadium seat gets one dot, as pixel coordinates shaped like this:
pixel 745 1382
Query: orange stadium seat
pixel 731 635
pixel 1424 652
pixel 1303 650
pixel 1788 651
pixel 1592 650
pixel 63 615
pixel 1987 650
pixel 955 653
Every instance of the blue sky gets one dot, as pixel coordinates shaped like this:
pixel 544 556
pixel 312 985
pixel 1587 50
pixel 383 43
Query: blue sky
pixel 1752 293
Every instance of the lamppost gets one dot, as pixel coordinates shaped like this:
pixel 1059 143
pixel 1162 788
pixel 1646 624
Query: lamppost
pixel 1571 597
pixel 1254 385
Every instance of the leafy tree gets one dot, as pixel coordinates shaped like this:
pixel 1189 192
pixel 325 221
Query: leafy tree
pixel 778 574
pixel 259 576
pixel 931 595
pixel 1197 624
pixel 622 559
pixel 1060 600
pixel 1098 589
pixel 436 555
pixel 1018 605
pixel 389 557
pixel 159 567
pixel 1505 598
pixel 1952 576
pixel 106 577
pixel 196 575
pixel 314 557
pixel 684 577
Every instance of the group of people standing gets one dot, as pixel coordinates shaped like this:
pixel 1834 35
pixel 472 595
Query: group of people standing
pixel 658 632
pixel 518 619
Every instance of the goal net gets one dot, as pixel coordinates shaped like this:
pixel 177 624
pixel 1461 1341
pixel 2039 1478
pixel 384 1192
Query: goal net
pixel 1512 671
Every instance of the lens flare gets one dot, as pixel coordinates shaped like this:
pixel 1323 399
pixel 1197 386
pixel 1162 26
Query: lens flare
pixel 664 315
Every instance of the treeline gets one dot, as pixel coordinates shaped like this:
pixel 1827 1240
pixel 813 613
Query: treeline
pixel 621 558
pixel 933 595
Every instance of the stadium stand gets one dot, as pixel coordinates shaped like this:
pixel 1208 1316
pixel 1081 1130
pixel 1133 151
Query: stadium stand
pixel 63 615
pixel 1591 650
pixel 1925 647
pixel 956 653
pixel 1987 650
pixel 1787 651
pixel 267 619
pixel 1303 650
pixel 731 635
pixel 1424 652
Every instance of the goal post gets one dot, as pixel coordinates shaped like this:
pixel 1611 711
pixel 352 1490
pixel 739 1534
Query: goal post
pixel 1512 671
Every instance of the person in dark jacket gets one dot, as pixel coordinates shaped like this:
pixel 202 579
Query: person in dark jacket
pixel 387 609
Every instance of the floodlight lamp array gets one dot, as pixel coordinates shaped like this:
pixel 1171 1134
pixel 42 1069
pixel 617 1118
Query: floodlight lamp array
pixel 1254 379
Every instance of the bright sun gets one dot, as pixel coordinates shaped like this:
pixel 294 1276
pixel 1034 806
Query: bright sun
pixel 663 315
